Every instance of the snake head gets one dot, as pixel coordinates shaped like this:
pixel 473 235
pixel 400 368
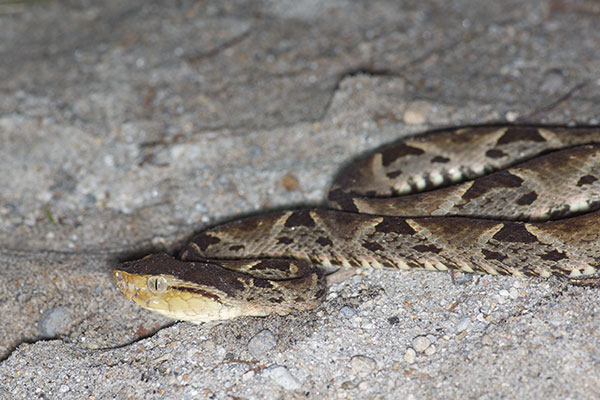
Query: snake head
pixel 205 291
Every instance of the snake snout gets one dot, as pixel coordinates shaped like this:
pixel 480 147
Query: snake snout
pixel 121 280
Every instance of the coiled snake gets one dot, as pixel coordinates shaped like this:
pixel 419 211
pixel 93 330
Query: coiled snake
pixel 526 218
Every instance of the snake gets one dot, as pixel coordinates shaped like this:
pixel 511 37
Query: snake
pixel 498 200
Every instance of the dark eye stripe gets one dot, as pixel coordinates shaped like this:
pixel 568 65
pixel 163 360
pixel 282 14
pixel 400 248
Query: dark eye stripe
pixel 200 292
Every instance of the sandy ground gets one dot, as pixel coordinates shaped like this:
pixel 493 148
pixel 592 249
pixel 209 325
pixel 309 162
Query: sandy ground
pixel 125 127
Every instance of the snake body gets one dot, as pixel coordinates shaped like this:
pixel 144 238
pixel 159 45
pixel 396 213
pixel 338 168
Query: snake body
pixel 399 207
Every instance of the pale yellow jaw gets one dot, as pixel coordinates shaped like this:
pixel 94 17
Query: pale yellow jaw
pixel 178 304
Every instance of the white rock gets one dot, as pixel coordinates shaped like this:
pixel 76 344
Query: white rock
pixel 281 376
pixel 420 343
pixel 248 375
pixel 430 350
pixel 362 365
pixel 409 356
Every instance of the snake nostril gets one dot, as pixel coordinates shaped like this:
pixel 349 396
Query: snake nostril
pixel 120 280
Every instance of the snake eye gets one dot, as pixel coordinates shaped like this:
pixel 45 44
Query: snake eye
pixel 157 284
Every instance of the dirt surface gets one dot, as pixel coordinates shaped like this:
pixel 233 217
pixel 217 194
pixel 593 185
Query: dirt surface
pixel 125 127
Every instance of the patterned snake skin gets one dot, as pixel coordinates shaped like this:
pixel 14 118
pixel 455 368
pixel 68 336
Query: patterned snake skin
pixel 524 218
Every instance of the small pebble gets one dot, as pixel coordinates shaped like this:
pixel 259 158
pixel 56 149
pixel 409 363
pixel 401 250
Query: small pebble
pixel 194 356
pixel 513 293
pixel 290 182
pixel 262 342
pixel 553 81
pixel 460 278
pixel 281 376
pixel 362 365
pixel 409 356
pixel 420 343
pixel 346 385
pixel 487 340
pixel 503 293
pixel 248 375
pixel 430 350
pixel 511 116
pixel 517 284
pixel 416 113
pixel 54 322
pixel 364 386
pixel 463 325
pixel 347 312
pixel 481 318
